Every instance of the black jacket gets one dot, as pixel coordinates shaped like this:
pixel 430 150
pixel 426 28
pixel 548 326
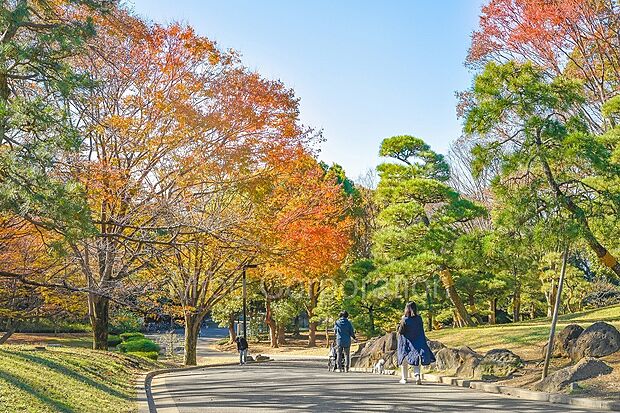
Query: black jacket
pixel 242 343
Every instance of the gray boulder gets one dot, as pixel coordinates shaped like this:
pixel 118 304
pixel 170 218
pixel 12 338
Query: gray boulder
pixel 435 345
pixel 598 340
pixel 498 363
pixel 383 347
pixel 564 341
pixel 587 368
pixel 447 359
pixel 260 357
pixel 468 362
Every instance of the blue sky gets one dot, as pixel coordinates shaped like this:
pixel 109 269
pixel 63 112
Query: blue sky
pixel 364 70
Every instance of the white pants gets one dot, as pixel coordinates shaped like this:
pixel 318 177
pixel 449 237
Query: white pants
pixel 404 370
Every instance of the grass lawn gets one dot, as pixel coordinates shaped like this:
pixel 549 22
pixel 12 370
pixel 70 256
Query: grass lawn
pixel 83 340
pixel 67 380
pixel 525 338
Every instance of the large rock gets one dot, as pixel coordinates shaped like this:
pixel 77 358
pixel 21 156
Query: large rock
pixel 435 345
pixel 587 368
pixel 564 341
pixel 447 359
pixel 598 340
pixel 383 347
pixel 498 363
pixel 468 362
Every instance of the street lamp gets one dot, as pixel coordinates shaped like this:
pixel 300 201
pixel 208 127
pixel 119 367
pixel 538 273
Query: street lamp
pixel 245 298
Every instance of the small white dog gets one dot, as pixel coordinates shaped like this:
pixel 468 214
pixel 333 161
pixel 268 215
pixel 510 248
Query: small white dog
pixel 379 368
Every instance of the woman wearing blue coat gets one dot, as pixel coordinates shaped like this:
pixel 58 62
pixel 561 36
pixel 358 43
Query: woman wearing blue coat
pixel 412 346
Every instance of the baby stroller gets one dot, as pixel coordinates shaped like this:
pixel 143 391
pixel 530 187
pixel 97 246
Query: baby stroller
pixel 333 355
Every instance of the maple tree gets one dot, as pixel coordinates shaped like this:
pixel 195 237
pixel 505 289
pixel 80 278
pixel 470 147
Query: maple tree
pixel 167 106
pixel 306 234
pixel 576 38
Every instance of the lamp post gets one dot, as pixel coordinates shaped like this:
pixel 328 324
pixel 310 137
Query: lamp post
pixel 245 298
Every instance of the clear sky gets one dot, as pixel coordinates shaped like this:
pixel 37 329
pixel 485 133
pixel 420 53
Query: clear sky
pixel 364 70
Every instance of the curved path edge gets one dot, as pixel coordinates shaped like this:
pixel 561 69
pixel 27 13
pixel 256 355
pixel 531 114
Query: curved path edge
pixel 146 404
pixel 556 398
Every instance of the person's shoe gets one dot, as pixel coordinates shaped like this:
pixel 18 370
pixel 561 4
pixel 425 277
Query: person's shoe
pixel 403 381
pixel 418 381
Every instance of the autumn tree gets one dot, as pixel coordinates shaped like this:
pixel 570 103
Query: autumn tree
pixel 167 106
pixel 574 38
pixel 307 235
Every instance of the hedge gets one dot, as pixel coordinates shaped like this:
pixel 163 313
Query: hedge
pixel 138 345
pixel 131 336
pixel 113 340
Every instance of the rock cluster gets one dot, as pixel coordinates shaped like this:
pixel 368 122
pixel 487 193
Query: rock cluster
pixel 464 362
pixel 599 340
pixel 586 368
pixel 377 348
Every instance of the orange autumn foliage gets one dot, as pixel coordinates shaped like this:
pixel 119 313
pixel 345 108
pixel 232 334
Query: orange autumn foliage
pixel 580 38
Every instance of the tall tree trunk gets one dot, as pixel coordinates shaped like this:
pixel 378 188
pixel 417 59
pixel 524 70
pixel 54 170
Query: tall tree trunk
pixel 551 295
pixel 192 326
pixel 492 310
pixel 232 333
pixel 296 332
pixel 281 334
pixel 446 278
pixel 532 311
pixel 4 99
pixel 273 332
pixel 11 327
pixel 371 318
pixel 516 303
pixel 429 304
pixel 98 313
pixel 606 258
pixel 312 326
pixel 471 301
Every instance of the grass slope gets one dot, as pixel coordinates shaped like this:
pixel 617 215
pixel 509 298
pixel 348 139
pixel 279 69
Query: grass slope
pixel 525 338
pixel 67 380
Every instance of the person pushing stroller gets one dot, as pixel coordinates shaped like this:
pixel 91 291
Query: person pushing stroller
pixel 344 333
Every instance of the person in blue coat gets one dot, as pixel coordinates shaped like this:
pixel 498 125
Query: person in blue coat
pixel 412 346
pixel 344 333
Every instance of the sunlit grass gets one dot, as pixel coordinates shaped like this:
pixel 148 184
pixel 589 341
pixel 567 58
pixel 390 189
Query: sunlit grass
pixel 67 380
pixel 526 338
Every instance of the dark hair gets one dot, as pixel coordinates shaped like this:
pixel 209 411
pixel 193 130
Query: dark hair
pixel 344 314
pixel 411 309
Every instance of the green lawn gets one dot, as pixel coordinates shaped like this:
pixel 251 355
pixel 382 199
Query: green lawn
pixel 67 380
pixel 524 338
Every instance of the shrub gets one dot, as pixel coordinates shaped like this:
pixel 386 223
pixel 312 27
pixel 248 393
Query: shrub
pixel 113 340
pixel 152 355
pixel 131 336
pixel 142 345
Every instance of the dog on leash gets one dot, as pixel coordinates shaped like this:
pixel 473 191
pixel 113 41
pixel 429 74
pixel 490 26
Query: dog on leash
pixel 379 367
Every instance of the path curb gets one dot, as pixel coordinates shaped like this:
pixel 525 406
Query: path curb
pixel 556 398
pixel 146 404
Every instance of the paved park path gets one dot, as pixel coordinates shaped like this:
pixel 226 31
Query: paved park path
pixel 306 385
